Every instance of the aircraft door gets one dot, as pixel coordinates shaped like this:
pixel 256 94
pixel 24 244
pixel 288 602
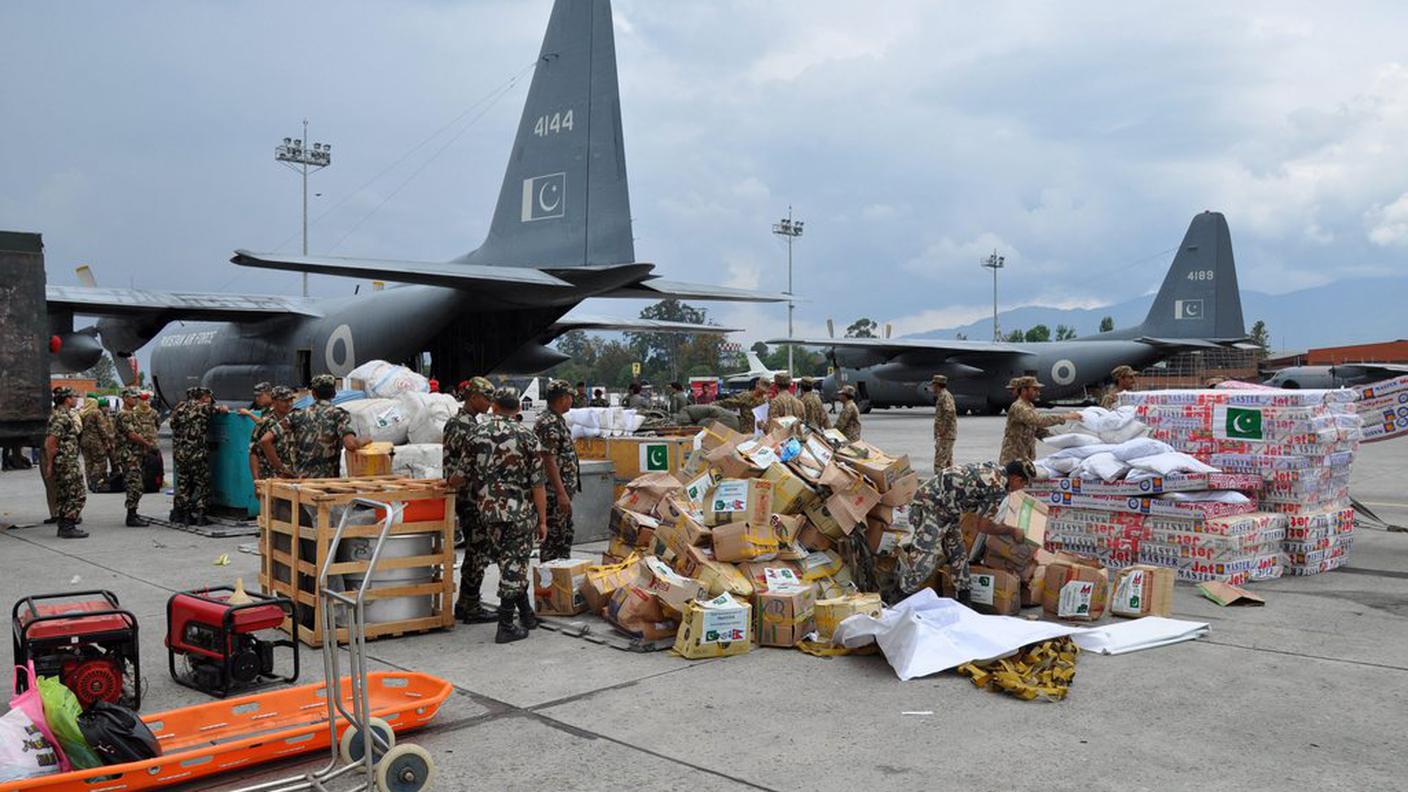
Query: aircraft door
pixel 303 367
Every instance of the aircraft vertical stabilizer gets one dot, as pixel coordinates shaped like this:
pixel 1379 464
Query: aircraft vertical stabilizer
pixel 1199 296
pixel 564 201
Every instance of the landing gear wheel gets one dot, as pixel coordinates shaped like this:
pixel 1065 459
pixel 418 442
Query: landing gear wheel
pixel 864 406
pixel 350 747
pixel 405 768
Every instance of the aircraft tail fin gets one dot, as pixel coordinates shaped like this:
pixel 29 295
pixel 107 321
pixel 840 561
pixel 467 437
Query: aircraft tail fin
pixel 564 200
pixel 754 362
pixel 1199 297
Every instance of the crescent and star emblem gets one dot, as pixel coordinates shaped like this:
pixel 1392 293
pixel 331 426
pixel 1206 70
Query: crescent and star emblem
pixel 543 197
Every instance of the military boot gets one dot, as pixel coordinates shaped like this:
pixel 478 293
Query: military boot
pixel 526 614
pixel 199 518
pixel 469 611
pixel 177 516
pixel 67 530
pixel 508 630
pixel 134 520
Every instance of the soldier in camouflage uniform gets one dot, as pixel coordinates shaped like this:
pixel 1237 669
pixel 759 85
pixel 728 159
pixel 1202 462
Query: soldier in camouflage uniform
pixel 945 424
pixel 506 470
pixel 136 438
pixel 848 422
pixel 636 400
pixel 96 442
pixel 934 513
pixel 745 402
pixel 322 432
pixel 579 399
pixel 678 398
pixel 598 399
pixel 61 463
pixel 478 394
pixel 813 411
pixel 562 470
pixel 1124 378
pixel 1024 424
pixel 190 445
pixel 271 450
pixel 785 404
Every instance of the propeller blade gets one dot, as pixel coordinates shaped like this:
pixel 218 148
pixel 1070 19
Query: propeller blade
pixel 85 276
pixel 889 328
pixel 830 329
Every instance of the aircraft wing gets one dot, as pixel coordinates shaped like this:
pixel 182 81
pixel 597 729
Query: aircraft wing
pixel 571 323
pixel 98 301
pixel 938 347
pixel 456 275
pixel 659 288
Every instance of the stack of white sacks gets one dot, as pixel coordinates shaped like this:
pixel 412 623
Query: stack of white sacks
pixel 401 410
pixel 1124 497
pixel 1299 443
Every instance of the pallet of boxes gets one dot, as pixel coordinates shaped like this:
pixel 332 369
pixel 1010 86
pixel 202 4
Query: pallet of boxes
pixel 753 542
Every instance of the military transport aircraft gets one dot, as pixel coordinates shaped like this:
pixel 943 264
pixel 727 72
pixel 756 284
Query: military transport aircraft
pixel 1198 307
pixel 561 233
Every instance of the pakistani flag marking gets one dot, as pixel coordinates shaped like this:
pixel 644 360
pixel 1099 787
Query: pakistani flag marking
pixel 655 457
pixel 1243 424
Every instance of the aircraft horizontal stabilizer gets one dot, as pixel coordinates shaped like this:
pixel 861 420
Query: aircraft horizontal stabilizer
pixel 98 301
pixel 571 323
pixel 659 288
pixel 455 275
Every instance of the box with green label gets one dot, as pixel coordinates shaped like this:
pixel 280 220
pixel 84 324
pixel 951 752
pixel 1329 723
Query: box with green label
pixel 994 591
pixel 719 627
pixel 634 456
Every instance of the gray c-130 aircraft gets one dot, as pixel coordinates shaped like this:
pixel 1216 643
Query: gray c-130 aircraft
pixel 561 233
pixel 1198 307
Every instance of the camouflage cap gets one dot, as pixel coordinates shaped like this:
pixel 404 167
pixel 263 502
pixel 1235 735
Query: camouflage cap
pixel 63 392
pixel 131 392
pixel 478 386
pixel 263 387
pixel 323 381
pixel 1023 468
pixel 783 379
pixel 506 392
pixel 939 379
pixel 558 388
pixel 1122 371
pixel 808 381
pixel 847 390
pixel 1018 383
pixel 765 380
pixel 281 393
pixel 197 391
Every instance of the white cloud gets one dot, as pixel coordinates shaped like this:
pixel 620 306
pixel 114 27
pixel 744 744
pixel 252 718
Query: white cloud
pixel 1389 224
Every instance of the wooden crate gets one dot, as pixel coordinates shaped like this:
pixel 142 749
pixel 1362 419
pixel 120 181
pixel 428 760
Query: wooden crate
pixel 293 550
pixel 628 454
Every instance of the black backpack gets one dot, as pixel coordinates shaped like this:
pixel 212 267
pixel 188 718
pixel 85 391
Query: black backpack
pixel 117 734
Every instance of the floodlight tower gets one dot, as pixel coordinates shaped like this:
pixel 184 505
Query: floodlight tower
pixel 295 155
pixel 791 229
pixel 994 262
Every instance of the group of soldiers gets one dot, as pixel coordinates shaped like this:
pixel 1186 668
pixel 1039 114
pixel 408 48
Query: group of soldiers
pixel 133 437
pixel 517 485
pixel 782 402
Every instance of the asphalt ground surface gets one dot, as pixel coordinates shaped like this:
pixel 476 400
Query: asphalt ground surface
pixel 1309 691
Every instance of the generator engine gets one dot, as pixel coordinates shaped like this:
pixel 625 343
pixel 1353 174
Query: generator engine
pixel 85 639
pixel 222 642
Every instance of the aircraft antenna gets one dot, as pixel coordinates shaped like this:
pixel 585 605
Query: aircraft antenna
pixel 994 262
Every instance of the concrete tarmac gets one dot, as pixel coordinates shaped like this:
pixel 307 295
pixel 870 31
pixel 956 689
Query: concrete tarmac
pixel 1309 691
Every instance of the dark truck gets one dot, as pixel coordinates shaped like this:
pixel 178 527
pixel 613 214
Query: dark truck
pixel 24 340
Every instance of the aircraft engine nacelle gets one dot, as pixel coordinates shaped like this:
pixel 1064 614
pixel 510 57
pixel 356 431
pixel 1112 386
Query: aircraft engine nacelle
pixel 901 371
pixel 74 351
pixel 531 358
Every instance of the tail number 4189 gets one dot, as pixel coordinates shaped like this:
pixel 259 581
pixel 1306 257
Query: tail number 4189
pixel 552 124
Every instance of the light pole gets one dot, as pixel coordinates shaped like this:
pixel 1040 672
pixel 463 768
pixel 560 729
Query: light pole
pixel 791 229
pixel 293 154
pixel 994 263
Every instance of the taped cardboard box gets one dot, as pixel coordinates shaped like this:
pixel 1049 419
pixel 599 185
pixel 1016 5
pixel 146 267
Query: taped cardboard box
pixel 851 497
pixel 718 577
pixel 635 611
pixel 1075 591
pixel 603 580
pixel 730 463
pixel 787 527
pixel 821 518
pixel 758 575
pixel 688 530
pixel 741 541
pixel 716 434
pixel 628 526
pixel 790 494
pixel 734 500
pixel 1034 587
pixel 1021 510
pixel 783 616
pixel 643 492
pixel 994 591
pixel 672 506
pixel 878 468
pixel 897 517
pixel 902 491
pixel 715 628
pixel 820 564
pixel 1143 590
pixel 833 611
pixel 1004 552
pixel 783 427
pixel 697 488
pixel 618 550
pixel 557 587
pixel 673 590
pixel 812 539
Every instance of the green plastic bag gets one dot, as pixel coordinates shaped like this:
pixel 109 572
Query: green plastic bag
pixel 61 710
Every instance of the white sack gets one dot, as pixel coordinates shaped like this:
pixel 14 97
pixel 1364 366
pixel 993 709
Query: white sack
pixel 1071 440
pixel 380 419
pixel 1207 496
pixel 418 460
pixel 426 414
pixel 1140 447
pixel 1102 466
pixel 1112 426
pixel 386 380
pixel 1171 462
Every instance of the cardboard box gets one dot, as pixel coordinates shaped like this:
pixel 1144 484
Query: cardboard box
pixel 718 577
pixel 1075 591
pixel 994 591
pixel 1003 552
pixel 671 507
pixel 734 500
pixel 851 497
pixel 634 610
pixel 741 541
pixel 716 434
pixel 557 587
pixel 902 491
pixel 820 564
pixel 831 612
pixel 697 487
pixel 882 539
pixel 783 427
pixel 1034 587
pixel 790 494
pixel 1023 511
pixel 1143 590
pixel 716 628
pixel 697 462
pixel 821 518
pixel 878 468
pixel 628 526
pixel 603 580
pixel 674 590
pixel 758 574
pixel 643 492
pixel 784 616
pixel 616 547
pixel 689 530
pixel 732 464
pixel 787 527
pixel 812 539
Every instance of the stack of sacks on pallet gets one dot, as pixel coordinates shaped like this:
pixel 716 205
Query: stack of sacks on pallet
pixel 1301 443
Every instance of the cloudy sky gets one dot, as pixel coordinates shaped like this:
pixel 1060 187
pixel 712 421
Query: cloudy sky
pixel 913 138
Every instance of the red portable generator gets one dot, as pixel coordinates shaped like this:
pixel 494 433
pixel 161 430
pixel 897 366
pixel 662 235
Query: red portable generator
pixel 85 639
pixel 219 641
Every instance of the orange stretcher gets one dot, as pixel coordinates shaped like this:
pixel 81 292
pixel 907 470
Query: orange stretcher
pixel 222 736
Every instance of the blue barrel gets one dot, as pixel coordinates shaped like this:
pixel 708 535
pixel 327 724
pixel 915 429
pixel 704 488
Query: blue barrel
pixel 231 484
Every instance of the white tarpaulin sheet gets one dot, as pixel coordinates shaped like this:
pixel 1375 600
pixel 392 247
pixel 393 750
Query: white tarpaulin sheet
pixel 926 634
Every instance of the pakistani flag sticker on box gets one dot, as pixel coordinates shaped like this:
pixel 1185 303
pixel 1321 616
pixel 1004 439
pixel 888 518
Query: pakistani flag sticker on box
pixel 1237 423
pixel 654 457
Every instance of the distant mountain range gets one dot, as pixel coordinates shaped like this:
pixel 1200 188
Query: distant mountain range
pixel 1345 312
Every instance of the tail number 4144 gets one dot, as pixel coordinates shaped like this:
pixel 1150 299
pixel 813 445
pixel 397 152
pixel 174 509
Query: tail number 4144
pixel 1200 275
pixel 552 124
